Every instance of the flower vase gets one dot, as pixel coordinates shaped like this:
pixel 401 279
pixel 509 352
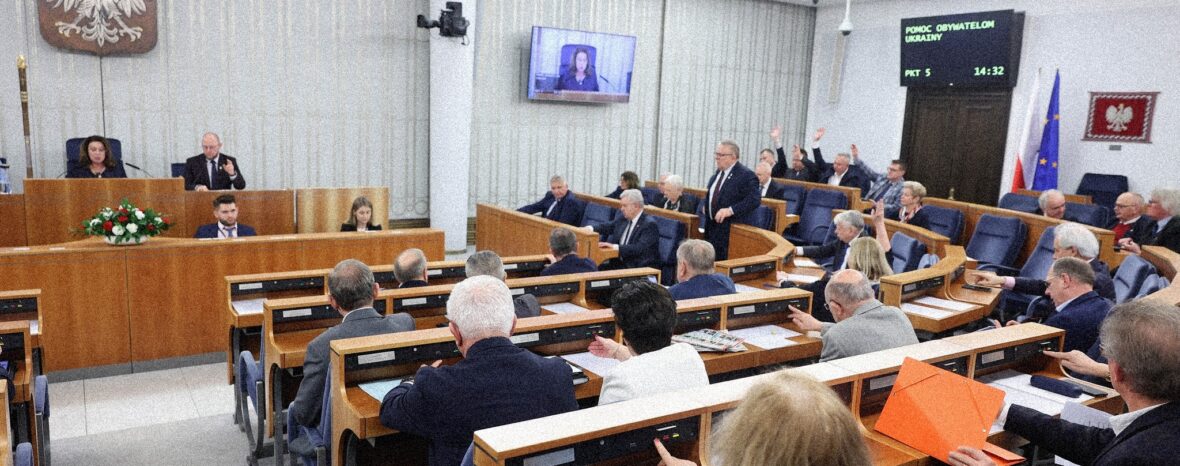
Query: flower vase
pixel 117 241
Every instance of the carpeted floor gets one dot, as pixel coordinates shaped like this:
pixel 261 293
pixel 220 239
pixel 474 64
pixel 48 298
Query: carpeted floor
pixel 211 440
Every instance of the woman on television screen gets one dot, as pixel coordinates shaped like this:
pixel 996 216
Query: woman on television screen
pixel 579 76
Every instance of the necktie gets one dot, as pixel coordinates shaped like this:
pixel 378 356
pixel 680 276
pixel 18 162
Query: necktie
pixel 627 234
pixel 549 213
pixel 230 232
pixel 716 189
pixel 878 191
pixel 212 164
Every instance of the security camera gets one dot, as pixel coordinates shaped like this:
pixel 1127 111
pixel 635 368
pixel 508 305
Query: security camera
pixel 846 27
pixel 450 23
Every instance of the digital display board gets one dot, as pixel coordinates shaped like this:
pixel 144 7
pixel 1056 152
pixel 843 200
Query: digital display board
pixel 971 49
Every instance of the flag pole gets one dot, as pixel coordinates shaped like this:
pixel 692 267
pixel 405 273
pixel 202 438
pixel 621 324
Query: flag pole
pixel 21 65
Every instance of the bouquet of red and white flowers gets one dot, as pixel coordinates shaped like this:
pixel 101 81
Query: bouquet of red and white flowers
pixel 126 224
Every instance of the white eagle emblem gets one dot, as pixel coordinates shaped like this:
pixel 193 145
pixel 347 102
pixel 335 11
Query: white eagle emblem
pixel 105 19
pixel 1117 118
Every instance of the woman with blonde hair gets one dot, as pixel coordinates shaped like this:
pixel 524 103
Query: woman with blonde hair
pixel 360 218
pixel 865 254
pixel 764 430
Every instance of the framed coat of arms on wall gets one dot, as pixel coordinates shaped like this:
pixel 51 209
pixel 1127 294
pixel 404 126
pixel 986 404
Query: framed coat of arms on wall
pixel 101 27
pixel 1120 116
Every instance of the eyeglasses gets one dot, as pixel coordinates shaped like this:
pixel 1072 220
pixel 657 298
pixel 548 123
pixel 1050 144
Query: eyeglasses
pixel 208 147
pixel 720 154
pixel 1123 206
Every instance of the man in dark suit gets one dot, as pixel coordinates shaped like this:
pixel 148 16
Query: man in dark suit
pixel 559 204
pixel 840 172
pixel 732 195
pixel 352 290
pixel 673 197
pixel 634 235
pixel 212 170
pixel 1162 208
pixel 410 268
pixel 225 208
pixel 695 275
pixel 495 383
pixel 767 187
pixel 1080 310
pixel 800 167
pixel 1141 340
pixel 1129 218
pixel 849 226
pixel 563 249
pixel 488 263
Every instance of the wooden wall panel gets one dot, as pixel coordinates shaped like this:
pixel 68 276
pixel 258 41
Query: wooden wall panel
pixel 323 210
pixel 53 208
pixel 12 225
pixel 269 212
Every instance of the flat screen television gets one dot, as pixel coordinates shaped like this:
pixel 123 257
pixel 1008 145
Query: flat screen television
pixel 580 66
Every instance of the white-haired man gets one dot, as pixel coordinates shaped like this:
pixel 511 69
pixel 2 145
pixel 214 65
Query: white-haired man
pixel 495 383
pixel 634 235
pixel 1162 208
pixel 673 197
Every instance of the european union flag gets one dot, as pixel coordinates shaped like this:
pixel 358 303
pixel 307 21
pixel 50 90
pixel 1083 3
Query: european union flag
pixel 1046 172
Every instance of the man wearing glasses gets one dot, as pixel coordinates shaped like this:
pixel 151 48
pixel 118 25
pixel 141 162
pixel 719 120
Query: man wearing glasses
pixel 1163 230
pixel 733 194
pixel 863 324
pixel 212 170
pixel 1128 209
pixel 886 187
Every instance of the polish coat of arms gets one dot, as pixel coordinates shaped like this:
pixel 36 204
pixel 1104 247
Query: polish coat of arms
pixel 101 27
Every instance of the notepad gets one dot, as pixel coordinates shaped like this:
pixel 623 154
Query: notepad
pixel 800 278
pixel 563 308
pixel 249 306
pixel 953 305
pixel 745 288
pixel 1019 390
pixel 592 363
pixel 925 311
pixel 766 336
pixel 805 262
pixel 34 327
pixel 379 388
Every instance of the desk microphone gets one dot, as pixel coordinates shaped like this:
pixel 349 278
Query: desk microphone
pixel 132 165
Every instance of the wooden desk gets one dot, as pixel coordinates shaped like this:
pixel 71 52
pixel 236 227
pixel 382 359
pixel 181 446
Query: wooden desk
pixel 1167 262
pixel 22 306
pixel 1036 226
pixel 935 243
pixel 12 229
pixel 943 280
pixel 74 200
pixel 270 212
pixel 512 233
pixel 323 210
pixel 166 298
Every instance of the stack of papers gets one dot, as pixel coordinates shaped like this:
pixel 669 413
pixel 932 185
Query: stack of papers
pixel 563 308
pixel 766 336
pixel 707 339
pixel 1019 390
pixel 805 262
pixel 379 388
pixel 802 279
pixel 745 288
pixel 946 304
pixel 592 363
pixel 925 311
pixel 249 306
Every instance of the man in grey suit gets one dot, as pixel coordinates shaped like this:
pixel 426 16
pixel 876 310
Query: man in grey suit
pixel 489 263
pixel 352 291
pixel 863 324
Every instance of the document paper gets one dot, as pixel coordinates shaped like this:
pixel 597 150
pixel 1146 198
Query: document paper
pixel 799 278
pixel 925 311
pixel 745 288
pixel 563 308
pixel 1019 390
pixel 249 306
pixel 943 303
pixel 766 336
pixel 592 363
pixel 805 262
pixel 379 388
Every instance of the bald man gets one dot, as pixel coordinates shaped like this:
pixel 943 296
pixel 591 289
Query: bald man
pixel 212 170
pixel 863 324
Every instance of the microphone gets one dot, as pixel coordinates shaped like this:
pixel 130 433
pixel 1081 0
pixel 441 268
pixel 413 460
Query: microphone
pixel 132 165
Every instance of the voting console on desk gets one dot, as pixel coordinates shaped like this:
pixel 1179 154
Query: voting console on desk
pixel 753 271
pixel 23 305
pixel 932 298
pixel 1019 347
pixel 428 304
pixel 766 307
pixel 359 360
pixel 599 286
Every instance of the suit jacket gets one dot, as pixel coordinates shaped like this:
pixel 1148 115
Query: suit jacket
pixel 1080 319
pixel 774 191
pixel 83 171
pixel 1153 438
pixel 348 227
pixel 787 170
pixel 196 172
pixel 674 367
pixel 852 178
pixel 688 203
pixel 642 249
pixel 739 192
pixel 495 384
pixel 872 327
pixel 919 219
pixel 1168 238
pixel 702 286
pixel 526 305
pixel 413 284
pixel 835 249
pixel 1103 284
pixel 358 323
pixel 568 211
pixel 571 263
pixel 209 230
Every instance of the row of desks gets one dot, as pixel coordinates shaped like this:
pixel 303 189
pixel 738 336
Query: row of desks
pixel 51 209
pixel 622 432
pixel 166 298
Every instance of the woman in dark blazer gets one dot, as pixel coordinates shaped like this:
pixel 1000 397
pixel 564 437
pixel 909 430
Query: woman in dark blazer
pixel 628 180
pixel 95 160
pixel 361 217
pixel 911 211
pixel 580 75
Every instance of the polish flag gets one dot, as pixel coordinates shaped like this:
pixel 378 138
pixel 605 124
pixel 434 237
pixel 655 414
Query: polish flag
pixel 1026 150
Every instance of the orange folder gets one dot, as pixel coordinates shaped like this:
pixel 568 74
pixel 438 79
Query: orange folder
pixel 935 411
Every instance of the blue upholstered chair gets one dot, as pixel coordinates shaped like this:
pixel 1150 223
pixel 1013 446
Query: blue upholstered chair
pixel 928 261
pixel 1019 203
pixel 794 195
pixel 1129 278
pixel 1089 214
pixel 41 418
pixel 997 240
pixel 599 214
pixel 649 195
pixel 907 252
pixel 816 216
pixel 762 217
pixel 23 456
pixel 946 222
pixel 1036 267
pixel 1152 284
pixel 249 382
pixel 672 232
pixel 1102 189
